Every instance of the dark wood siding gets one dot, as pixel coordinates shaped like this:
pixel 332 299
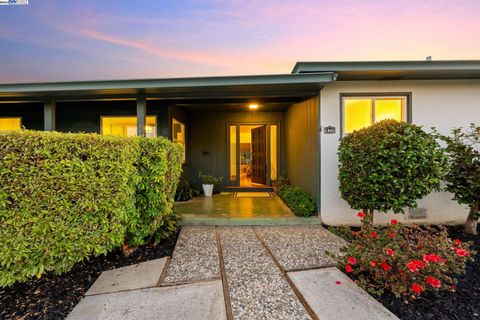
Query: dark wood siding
pixel 302 145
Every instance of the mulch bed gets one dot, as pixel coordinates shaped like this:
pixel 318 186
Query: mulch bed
pixel 53 296
pixel 462 305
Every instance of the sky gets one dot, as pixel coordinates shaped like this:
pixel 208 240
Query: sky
pixel 50 40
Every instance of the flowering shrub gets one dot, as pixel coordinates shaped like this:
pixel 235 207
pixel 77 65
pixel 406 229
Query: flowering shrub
pixel 404 260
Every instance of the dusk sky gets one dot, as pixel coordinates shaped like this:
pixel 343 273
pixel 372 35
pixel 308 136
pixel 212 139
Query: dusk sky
pixel 86 40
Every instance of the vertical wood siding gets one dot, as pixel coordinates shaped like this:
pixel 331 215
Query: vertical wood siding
pixel 302 145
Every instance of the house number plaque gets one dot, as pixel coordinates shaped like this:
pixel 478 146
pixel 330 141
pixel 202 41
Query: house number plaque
pixel 329 130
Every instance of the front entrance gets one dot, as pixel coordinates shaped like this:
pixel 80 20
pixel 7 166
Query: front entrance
pixel 253 154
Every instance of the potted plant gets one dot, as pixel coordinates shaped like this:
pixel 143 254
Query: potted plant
pixel 208 182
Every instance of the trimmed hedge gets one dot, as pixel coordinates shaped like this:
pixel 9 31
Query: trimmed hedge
pixel 301 203
pixel 65 197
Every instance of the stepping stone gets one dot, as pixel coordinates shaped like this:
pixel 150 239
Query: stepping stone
pixel 194 301
pixel 301 247
pixel 195 257
pixel 258 290
pixel 337 301
pixel 142 275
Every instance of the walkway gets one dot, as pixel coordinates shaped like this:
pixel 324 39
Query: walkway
pixel 235 273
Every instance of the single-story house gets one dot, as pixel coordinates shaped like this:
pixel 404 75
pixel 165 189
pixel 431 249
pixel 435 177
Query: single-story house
pixel 253 129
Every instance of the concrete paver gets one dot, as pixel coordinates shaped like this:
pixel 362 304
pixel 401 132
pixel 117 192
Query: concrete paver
pixel 331 301
pixel 193 302
pixel 142 275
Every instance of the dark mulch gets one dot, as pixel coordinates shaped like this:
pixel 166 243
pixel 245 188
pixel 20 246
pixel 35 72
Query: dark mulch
pixel 53 296
pixel 460 305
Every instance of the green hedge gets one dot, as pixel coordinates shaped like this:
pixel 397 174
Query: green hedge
pixel 301 203
pixel 65 197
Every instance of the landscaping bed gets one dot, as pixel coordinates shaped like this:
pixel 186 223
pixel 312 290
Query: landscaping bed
pixel 462 304
pixel 54 296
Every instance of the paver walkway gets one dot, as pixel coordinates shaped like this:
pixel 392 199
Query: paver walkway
pixel 235 273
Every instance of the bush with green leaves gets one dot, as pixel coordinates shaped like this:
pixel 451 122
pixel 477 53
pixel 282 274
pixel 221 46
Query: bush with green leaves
pixel 463 174
pixel 388 166
pixel 209 179
pixel 186 191
pixel 301 203
pixel 65 197
pixel 405 261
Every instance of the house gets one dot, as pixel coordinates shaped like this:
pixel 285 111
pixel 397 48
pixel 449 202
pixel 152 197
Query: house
pixel 252 129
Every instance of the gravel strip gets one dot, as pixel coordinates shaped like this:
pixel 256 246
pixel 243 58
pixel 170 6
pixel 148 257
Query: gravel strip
pixel 257 288
pixel 301 247
pixel 195 257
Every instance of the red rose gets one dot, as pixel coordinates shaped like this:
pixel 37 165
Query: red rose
pixel 393 221
pixel 390 252
pixel 457 241
pixel 338 282
pixel 348 268
pixel 434 282
pixel 391 234
pixel 431 258
pixel 442 260
pixel 385 266
pixel 414 265
pixel 373 234
pixel 352 260
pixel 417 288
pixel 361 215
pixel 461 252
pixel 373 263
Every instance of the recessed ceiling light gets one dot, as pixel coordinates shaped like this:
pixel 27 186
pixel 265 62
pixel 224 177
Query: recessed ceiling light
pixel 253 106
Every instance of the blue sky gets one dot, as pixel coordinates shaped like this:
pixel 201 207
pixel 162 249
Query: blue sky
pixel 80 40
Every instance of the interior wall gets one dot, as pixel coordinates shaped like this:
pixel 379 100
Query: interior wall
pixel 302 145
pixel 207 145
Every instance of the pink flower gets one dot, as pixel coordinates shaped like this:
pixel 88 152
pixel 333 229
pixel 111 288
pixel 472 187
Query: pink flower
pixel 337 282
pixel 417 288
pixel 394 221
pixel 373 234
pixel 373 263
pixel 390 252
pixel 385 266
pixel 461 252
pixel 352 260
pixel 434 282
pixel 348 268
pixel 361 215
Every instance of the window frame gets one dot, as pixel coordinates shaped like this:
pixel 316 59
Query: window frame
pixel 373 95
pixel 184 135
pixel 13 117
pixel 129 116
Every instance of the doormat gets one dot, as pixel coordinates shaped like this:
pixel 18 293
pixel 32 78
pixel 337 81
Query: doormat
pixel 253 195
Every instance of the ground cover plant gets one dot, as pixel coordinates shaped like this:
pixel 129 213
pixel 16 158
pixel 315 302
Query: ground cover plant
pixel 301 203
pixel 65 197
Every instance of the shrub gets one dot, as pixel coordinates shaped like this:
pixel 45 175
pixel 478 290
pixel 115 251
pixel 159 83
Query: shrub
pixel 299 201
pixel 463 174
pixel 158 168
pixel 404 260
pixel 388 166
pixel 63 197
pixel 186 191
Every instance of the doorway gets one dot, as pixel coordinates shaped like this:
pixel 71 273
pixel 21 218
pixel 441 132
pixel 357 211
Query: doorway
pixel 253 154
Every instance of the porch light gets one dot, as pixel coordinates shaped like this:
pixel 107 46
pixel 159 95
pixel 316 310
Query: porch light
pixel 253 106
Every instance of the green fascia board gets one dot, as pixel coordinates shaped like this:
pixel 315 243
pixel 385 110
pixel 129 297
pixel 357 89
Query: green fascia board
pixel 419 65
pixel 137 86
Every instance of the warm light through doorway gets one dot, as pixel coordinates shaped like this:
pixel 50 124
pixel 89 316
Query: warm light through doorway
pixel 253 106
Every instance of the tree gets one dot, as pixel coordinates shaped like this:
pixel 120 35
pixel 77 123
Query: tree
pixel 463 173
pixel 388 166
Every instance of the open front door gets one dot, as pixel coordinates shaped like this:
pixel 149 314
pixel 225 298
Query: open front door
pixel 259 155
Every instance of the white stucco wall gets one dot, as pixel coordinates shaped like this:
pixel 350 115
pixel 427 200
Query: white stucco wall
pixel 443 104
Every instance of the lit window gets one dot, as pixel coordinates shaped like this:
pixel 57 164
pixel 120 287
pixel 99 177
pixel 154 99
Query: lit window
pixel 10 124
pixel 361 112
pixel 178 135
pixel 127 126
pixel 233 153
pixel 273 151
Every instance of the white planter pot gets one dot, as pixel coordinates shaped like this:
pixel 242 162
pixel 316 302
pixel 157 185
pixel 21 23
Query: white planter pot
pixel 207 189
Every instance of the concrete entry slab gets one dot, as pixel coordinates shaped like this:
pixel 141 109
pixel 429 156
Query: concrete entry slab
pixel 337 301
pixel 195 257
pixel 142 275
pixel 301 247
pixel 195 301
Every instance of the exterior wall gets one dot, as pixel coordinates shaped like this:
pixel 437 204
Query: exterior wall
pixel 302 145
pixel 443 104
pixel 31 113
pixel 207 145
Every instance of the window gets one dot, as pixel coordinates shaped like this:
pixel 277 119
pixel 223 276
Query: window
pixel 361 112
pixel 127 126
pixel 178 135
pixel 233 153
pixel 9 124
pixel 273 151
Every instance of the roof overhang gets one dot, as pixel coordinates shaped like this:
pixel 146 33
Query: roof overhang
pixel 394 70
pixel 286 85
